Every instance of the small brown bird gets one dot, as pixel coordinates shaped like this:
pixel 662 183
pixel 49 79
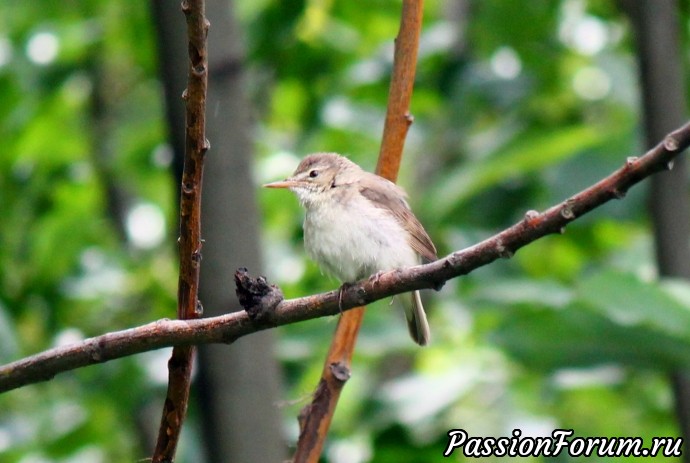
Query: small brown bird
pixel 357 224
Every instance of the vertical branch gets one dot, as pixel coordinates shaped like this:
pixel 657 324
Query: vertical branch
pixel 315 418
pixel 398 117
pixel 196 145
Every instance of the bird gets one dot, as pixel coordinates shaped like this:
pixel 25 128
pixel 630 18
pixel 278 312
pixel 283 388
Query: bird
pixel 358 224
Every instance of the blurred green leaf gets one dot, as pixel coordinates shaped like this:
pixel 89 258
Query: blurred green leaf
pixel 615 318
pixel 484 148
pixel 548 340
pixel 534 292
pixel 628 301
pixel 527 153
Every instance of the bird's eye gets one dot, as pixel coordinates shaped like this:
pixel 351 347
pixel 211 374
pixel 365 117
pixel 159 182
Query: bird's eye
pixel 314 173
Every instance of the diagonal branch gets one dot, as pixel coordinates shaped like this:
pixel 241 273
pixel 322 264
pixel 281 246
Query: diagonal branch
pixel 228 328
pixel 196 146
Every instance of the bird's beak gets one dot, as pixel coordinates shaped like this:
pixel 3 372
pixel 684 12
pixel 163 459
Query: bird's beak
pixel 287 183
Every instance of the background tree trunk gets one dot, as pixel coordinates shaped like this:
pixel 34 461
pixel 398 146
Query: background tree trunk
pixel 657 30
pixel 238 385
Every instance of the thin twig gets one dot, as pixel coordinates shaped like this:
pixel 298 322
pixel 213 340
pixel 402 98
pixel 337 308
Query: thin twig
pixel 228 328
pixel 196 145
pixel 316 417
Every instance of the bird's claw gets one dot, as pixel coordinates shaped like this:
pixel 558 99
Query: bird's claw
pixel 376 277
pixel 344 287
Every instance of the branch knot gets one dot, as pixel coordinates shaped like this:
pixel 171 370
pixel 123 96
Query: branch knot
pixel 258 298
pixel 340 371
pixel 671 143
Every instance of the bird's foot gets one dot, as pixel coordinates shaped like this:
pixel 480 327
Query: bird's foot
pixel 344 287
pixel 376 277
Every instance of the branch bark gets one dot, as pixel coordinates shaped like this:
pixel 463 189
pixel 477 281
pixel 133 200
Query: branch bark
pixel 196 145
pixel 398 117
pixel 656 26
pixel 267 313
pixel 315 418
pixel 242 383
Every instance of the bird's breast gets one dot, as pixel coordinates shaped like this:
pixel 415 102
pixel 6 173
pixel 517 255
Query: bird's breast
pixel 354 239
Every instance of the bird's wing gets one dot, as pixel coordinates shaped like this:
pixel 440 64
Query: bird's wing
pixel 391 197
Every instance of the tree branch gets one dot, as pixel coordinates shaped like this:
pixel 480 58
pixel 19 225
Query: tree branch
pixel 265 313
pixel 196 146
pixel 316 417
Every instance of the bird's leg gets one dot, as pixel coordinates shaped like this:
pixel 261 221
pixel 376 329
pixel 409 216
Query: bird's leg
pixel 344 287
pixel 375 281
pixel 341 290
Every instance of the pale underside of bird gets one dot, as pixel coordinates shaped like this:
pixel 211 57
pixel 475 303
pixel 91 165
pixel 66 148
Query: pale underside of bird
pixel 357 224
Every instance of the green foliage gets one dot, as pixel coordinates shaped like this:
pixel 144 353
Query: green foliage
pixel 81 124
pixel 513 111
pixel 527 154
pixel 484 149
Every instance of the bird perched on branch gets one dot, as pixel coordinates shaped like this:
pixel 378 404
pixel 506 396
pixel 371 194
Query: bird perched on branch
pixel 357 224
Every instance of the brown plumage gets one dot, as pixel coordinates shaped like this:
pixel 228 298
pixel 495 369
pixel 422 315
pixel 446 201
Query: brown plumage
pixel 358 224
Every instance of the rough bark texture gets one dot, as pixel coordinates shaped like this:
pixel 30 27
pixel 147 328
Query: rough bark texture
pixel 237 384
pixel 189 242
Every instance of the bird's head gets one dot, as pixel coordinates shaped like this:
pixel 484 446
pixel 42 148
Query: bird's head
pixel 316 175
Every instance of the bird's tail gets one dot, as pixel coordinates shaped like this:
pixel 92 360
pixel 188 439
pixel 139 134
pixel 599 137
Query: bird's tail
pixel 416 320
